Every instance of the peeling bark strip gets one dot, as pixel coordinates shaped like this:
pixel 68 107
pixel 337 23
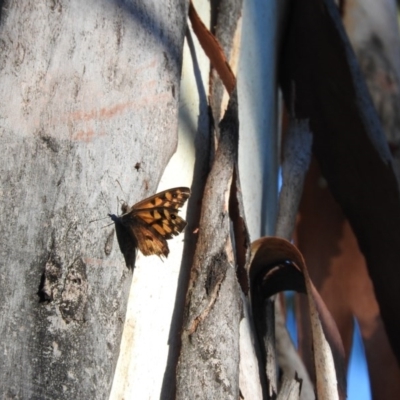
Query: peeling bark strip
pixel 296 160
pixel 297 145
pixel 209 361
pixel 277 265
pixel 213 50
pixel 226 26
pixel 348 142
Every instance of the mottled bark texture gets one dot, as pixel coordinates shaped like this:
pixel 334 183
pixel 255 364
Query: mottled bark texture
pixel 89 89
pixel 208 367
pixel 348 142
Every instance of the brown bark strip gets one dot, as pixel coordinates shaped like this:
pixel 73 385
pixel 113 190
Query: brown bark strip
pixel 225 25
pixel 213 50
pixel 348 142
pixel 209 361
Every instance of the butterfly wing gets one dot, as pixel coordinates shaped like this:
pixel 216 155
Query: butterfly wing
pixel 172 198
pixel 165 221
pixel 127 242
pixel 154 220
pixel 148 240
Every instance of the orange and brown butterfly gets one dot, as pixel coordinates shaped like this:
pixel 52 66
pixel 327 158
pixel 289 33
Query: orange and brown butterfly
pixel 148 224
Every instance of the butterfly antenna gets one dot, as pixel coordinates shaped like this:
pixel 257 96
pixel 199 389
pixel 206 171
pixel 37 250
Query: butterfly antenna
pixel 105 204
pixel 122 190
pixel 97 219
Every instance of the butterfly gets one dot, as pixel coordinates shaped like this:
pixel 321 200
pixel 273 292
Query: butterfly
pixel 148 224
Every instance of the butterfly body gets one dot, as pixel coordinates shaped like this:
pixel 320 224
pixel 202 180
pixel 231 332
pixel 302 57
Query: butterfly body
pixel 149 223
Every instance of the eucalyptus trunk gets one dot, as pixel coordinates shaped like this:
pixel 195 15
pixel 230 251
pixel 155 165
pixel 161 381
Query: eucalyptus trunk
pixel 89 101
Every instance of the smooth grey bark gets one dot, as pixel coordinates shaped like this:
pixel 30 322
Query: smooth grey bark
pixel 89 92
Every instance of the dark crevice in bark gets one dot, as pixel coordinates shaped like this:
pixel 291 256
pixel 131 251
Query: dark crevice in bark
pixel 240 233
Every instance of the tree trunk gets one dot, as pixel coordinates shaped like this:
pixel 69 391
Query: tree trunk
pixel 90 93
